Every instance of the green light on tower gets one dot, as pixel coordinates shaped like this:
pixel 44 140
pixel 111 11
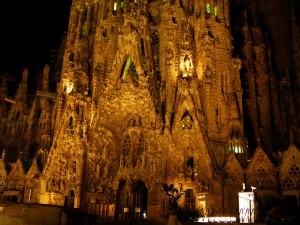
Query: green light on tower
pixel 208 8
pixel 122 4
pixel 216 11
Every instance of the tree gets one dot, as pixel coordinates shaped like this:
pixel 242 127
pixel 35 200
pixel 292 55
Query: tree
pixel 173 194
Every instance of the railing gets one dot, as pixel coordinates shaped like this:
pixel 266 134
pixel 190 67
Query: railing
pixel 228 214
pixel 208 212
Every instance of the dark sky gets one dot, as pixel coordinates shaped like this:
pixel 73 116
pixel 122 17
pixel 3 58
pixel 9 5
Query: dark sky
pixel 29 30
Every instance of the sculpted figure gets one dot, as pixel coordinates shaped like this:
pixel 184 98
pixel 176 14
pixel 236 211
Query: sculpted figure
pixel 121 161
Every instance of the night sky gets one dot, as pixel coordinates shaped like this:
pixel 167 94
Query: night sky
pixel 29 30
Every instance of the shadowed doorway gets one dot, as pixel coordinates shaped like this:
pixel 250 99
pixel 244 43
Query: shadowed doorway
pixel 131 199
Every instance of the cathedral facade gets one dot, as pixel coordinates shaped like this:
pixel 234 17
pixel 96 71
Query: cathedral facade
pixel 153 91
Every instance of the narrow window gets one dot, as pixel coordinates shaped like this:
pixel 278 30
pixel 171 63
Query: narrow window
pixel 216 11
pixel 144 59
pixel 208 8
pixel 122 6
pixel 82 32
pixel 189 199
pixel 115 6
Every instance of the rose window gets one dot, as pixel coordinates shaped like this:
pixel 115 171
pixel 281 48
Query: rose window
pixel 288 182
pixel 261 172
pixel 294 171
pixel 19 186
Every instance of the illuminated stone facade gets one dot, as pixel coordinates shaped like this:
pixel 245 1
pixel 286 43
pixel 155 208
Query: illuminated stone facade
pixel 150 92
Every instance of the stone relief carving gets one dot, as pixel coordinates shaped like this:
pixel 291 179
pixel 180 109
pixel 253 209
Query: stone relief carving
pixel 207 38
pixel 237 63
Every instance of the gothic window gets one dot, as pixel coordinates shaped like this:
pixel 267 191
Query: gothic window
pixel 133 73
pixel 83 32
pixel 208 8
pixel 190 162
pixel 294 171
pixel 122 6
pixel 144 59
pixel 132 122
pixel 71 57
pixel 216 11
pixel 139 150
pixel 71 123
pixel 288 183
pixel 155 47
pixel 174 20
pixel 141 146
pixel 126 146
pixel 115 7
pixel 261 171
pixel 70 126
pixel 190 167
pixel 104 33
pixel 189 199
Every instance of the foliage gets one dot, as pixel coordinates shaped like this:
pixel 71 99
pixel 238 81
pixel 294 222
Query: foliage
pixel 173 194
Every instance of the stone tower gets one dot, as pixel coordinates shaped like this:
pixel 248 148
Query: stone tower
pixel 149 93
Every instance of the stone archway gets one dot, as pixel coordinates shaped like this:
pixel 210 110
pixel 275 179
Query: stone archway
pixel 131 199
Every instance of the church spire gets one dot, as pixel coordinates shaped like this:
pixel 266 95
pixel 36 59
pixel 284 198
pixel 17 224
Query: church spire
pixel 21 94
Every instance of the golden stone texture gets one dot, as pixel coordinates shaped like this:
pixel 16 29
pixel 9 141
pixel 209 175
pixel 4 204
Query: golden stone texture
pixel 149 93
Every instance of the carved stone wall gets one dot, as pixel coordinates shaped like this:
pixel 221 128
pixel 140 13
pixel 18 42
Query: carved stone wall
pixel 151 92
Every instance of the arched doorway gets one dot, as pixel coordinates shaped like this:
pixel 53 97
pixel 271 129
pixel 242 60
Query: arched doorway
pixel 131 199
pixel 69 200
